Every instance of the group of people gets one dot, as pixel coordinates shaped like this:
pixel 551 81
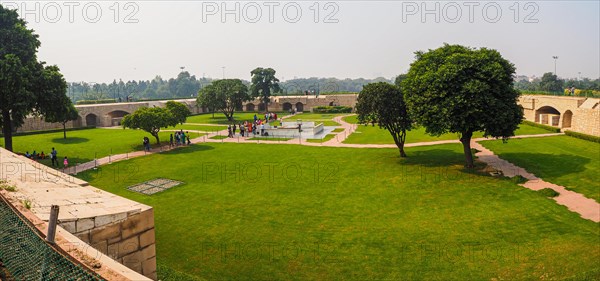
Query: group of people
pixel 53 157
pixel 180 138
pixel 253 128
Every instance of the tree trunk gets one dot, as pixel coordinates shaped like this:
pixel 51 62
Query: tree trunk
pixel 7 130
pixel 465 139
pixel 156 136
pixel 402 153
pixel 64 130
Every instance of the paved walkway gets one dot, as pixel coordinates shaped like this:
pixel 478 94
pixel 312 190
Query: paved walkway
pixel 576 202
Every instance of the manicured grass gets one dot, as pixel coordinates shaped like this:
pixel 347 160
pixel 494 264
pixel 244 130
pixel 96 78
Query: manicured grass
pixel 269 139
pixel 326 138
pixel 219 137
pixel 368 134
pixel 221 119
pixel 337 130
pixel 83 145
pixel 563 160
pixel 283 212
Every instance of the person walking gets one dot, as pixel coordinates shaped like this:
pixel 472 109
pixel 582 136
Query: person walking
pixel 171 140
pixel 229 131
pixel 53 158
pixel 65 163
pixel 262 129
pixel 234 129
pixel 188 137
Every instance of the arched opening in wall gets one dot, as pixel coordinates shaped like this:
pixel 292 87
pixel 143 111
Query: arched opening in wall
pixel 299 107
pixel 116 117
pixel 91 120
pixel 261 107
pixel 331 104
pixel 249 107
pixel 547 115
pixel 287 106
pixel 567 117
pixel 239 107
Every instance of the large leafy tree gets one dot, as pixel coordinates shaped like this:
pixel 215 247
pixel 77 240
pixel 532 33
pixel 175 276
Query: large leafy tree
pixel 66 113
pixel 207 97
pixel 179 110
pixel 462 90
pixel 231 93
pixel 551 83
pixel 263 82
pixel 23 80
pixel 150 119
pixel 383 103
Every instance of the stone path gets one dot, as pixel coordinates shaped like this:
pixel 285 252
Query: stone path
pixel 576 202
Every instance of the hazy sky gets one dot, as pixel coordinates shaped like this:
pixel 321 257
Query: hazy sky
pixel 105 40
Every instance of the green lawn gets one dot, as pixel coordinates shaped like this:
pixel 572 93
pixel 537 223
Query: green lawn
pixel 289 212
pixel 219 118
pixel 368 134
pixel 563 160
pixel 83 145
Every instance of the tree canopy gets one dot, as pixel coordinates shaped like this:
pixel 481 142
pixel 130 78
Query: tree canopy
pixel 179 110
pixel 462 90
pixel 225 95
pixel 150 119
pixel 263 82
pixel 383 103
pixel 24 82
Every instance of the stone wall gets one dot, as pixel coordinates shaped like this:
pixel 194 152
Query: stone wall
pixel 586 121
pixel 125 237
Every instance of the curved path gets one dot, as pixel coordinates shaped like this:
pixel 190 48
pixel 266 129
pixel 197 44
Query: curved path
pixel 576 202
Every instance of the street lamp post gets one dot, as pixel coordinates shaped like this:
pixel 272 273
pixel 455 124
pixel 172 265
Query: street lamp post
pixel 555 59
pixel 223 72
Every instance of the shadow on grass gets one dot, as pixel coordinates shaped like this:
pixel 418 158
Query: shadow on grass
pixel 190 149
pixel 547 165
pixel 70 140
pixel 432 158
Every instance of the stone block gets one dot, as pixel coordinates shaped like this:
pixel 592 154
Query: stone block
pixel 106 233
pixel 84 236
pixel 101 246
pixel 149 252
pixel 147 238
pixel 84 224
pixel 137 223
pixel 128 246
pixel 108 219
pixel 149 267
pixel 133 261
pixel 69 226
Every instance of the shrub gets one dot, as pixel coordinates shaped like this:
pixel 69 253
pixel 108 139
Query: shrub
pixel 518 179
pixel 583 136
pixel 96 101
pixel 546 127
pixel 4 185
pixel 548 192
pixel 332 109
pixel 26 204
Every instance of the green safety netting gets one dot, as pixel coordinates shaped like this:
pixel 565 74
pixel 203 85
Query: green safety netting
pixel 26 256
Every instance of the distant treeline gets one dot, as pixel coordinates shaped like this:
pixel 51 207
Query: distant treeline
pixel 187 86
pixel 552 84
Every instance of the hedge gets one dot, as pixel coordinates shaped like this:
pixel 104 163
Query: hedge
pixel 546 127
pixel 583 136
pixel 332 109
pixel 95 101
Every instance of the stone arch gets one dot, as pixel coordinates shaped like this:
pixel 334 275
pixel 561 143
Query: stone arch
pixel 91 120
pixel 261 107
pixel 287 106
pixel 249 107
pixel 566 119
pixel 547 115
pixel 116 116
pixel 299 107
